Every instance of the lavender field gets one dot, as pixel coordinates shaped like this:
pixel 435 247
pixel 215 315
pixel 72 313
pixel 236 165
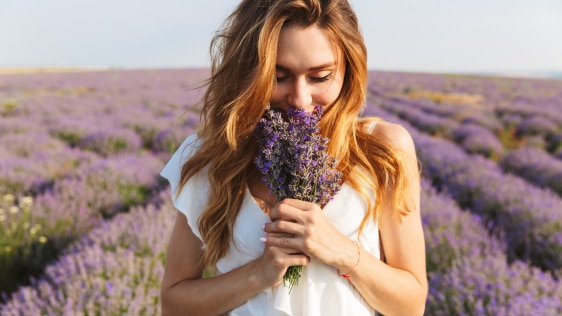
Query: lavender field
pixel 85 218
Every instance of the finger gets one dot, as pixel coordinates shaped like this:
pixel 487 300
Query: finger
pixel 284 211
pixel 298 260
pixel 291 210
pixel 277 234
pixel 283 227
pixel 295 259
pixel 282 242
pixel 300 205
pixel 274 247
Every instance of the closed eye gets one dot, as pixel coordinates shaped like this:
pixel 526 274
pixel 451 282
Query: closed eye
pixel 322 79
pixel 313 79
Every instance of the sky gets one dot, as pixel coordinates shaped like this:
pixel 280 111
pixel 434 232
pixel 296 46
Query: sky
pixel 477 36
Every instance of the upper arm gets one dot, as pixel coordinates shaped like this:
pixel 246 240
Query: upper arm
pixel 183 258
pixel 403 239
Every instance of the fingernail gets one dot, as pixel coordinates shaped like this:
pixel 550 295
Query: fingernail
pixel 263 239
pixel 263 227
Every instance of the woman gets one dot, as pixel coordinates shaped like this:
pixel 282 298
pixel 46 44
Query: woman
pixel 293 54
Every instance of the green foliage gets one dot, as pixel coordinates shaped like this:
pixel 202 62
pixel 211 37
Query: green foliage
pixel 509 139
pixel 8 107
pixel 23 246
pixel 70 137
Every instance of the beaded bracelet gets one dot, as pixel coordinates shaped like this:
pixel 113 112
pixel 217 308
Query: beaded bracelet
pixel 346 275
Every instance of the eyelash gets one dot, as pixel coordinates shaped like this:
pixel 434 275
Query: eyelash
pixel 313 79
pixel 322 79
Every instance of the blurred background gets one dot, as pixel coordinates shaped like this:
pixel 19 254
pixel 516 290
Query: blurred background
pixel 484 37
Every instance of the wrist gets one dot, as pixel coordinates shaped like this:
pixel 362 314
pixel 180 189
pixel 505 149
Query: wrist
pixel 351 260
pixel 256 278
pixel 262 278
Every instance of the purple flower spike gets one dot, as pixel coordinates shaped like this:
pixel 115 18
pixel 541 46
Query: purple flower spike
pixel 293 161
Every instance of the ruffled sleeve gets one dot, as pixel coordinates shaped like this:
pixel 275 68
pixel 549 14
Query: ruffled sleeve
pixel 194 195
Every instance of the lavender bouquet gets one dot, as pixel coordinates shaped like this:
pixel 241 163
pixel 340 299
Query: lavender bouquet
pixel 294 163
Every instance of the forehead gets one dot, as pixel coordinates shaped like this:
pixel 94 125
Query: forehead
pixel 304 48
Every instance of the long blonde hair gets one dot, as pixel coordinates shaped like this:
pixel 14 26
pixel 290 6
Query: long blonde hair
pixel 243 57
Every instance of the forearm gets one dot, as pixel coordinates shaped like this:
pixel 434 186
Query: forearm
pixel 214 295
pixel 389 290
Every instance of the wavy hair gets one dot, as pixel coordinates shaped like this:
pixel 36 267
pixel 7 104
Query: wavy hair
pixel 243 61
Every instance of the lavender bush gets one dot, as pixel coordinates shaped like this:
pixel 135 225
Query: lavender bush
pixel 536 166
pixel 20 175
pixel 169 139
pixel 427 122
pixel 484 118
pixel 294 163
pixel 478 140
pixel 488 286
pixel 111 141
pixel 536 125
pixel 72 129
pixel 113 185
pixel 452 234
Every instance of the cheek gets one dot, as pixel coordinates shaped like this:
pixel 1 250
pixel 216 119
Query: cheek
pixel 277 95
pixel 331 93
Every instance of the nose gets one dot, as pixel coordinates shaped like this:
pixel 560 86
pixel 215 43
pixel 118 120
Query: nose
pixel 300 96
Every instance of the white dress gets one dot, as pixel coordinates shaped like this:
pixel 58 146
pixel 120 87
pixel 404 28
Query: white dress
pixel 320 291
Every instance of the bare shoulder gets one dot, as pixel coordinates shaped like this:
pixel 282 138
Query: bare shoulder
pixel 397 135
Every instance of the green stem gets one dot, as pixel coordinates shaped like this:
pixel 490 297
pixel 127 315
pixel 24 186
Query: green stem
pixel 292 275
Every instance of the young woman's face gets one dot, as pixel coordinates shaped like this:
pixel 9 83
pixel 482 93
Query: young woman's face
pixel 307 70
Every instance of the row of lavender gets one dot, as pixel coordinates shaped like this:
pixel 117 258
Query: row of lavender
pixel 97 283
pixel 521 130
pixel 82 147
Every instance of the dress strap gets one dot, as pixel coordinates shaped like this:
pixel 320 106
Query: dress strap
pixel 371 127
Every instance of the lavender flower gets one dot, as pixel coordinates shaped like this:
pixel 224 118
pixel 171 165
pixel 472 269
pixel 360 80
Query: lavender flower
pixel 294 163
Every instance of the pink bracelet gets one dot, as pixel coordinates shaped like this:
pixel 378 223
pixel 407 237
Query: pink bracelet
pixel 346 275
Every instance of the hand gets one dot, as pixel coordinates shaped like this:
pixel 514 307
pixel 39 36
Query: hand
pixel 275 260
pixel 303 227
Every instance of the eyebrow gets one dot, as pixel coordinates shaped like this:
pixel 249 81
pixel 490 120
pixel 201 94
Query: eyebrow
pixel 315 68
